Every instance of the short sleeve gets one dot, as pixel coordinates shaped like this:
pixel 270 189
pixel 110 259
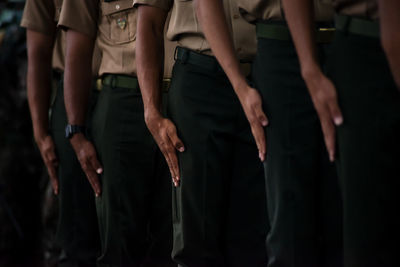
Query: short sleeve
pixel 81 16
pixel 39 15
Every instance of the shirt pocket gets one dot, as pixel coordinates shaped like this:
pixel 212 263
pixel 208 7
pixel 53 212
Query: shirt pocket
pixel 118 21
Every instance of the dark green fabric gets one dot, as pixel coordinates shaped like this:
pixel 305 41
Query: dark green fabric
pixel 278 30
pixel 219 210
pixel 368 150
pixel 121 81
pixel 303 193
pixel 78 232
pixel 357 26
pixel 134 209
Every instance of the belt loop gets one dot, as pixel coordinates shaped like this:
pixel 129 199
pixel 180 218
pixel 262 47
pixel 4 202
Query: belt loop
pixel 185 56
pixel 176 53
pixel 346 24
pixel 113 81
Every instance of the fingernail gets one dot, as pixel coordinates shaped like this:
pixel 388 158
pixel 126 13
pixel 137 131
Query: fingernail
pixel 331 157
pixel 265 123
pixel 338 121
pixel 99 170
pixel 97 195
pixel 181 149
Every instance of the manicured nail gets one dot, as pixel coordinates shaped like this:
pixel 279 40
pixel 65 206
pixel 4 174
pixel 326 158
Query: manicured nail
pixel 181 149
pixel 99 170
pixel 338 121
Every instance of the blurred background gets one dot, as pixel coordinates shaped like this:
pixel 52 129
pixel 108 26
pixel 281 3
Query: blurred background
pixel 28 209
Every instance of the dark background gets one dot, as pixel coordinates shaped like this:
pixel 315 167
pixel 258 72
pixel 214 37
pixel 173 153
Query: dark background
pixel 27 207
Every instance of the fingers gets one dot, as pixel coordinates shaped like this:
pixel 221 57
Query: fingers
pixel 169 152
pixel 328 129
pixel 261 117
pixel 93 180
pixel 336 113
pixel 52 170
pixel 259 136
pixel 51 162
pixel 95 170
pixel 176 142
pixel 86 154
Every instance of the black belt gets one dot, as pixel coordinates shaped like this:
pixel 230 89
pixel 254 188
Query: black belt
pixel 358 26
pixel 124 81
pixel 280 31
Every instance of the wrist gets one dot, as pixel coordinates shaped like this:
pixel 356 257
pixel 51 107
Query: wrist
pixel 151 113
pixel 77 139
pixel 40 135
pixel 310 71
pixel 241 86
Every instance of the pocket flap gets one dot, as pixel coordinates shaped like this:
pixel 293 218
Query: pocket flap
pixel 109 8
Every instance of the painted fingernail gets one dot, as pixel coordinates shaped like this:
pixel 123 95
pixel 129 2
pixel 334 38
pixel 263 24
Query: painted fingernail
pixel 338 121
pixel 181 149
pixel 99 170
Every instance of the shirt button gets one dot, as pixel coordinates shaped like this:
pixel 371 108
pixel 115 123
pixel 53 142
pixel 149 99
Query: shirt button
pixel 117 7
pixel 236 16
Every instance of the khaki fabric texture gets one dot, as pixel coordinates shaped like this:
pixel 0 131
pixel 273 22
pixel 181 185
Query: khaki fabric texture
pixel 255 10
pixel 42 16
pixel 367 9
pixel 114 24
pixel 184 27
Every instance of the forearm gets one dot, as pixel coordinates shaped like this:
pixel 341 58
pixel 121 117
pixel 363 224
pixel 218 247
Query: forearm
pixel 77 76
pixel 390 23
pixel 300 19
pixel 150 57
pixel 40 48
pixel 212 19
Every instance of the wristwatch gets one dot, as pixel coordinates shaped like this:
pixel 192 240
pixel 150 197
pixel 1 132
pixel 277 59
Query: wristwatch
pixel 70 130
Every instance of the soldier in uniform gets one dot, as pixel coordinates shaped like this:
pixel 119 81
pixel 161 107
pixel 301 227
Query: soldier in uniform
pixel 303 196
pixel 77 228
pixel 364 73
pixel 219 209
pixel 133 186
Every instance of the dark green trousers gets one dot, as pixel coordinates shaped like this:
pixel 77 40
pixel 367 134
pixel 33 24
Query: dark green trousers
pixel 304 203
pixel 134 209
pixel 219 210
pixel 368 150
pixel 77 232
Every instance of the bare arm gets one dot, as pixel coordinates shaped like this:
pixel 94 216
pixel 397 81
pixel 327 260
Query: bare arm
pixel 150 58
pixel 300 18
pixel 213 22
pixel 389 13
pixel 40 50
pixel 77 81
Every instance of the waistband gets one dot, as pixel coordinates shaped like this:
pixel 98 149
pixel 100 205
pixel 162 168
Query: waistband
pixel 325 32
pixel 189 56
pixel 124 81
pixel 357 26
pixel 205 61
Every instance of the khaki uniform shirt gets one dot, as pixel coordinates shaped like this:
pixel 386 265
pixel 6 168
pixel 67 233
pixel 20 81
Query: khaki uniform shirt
pixel 258 10
pixel 367 9
pixel 42 16
pixel 184 27
pixel 114 25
